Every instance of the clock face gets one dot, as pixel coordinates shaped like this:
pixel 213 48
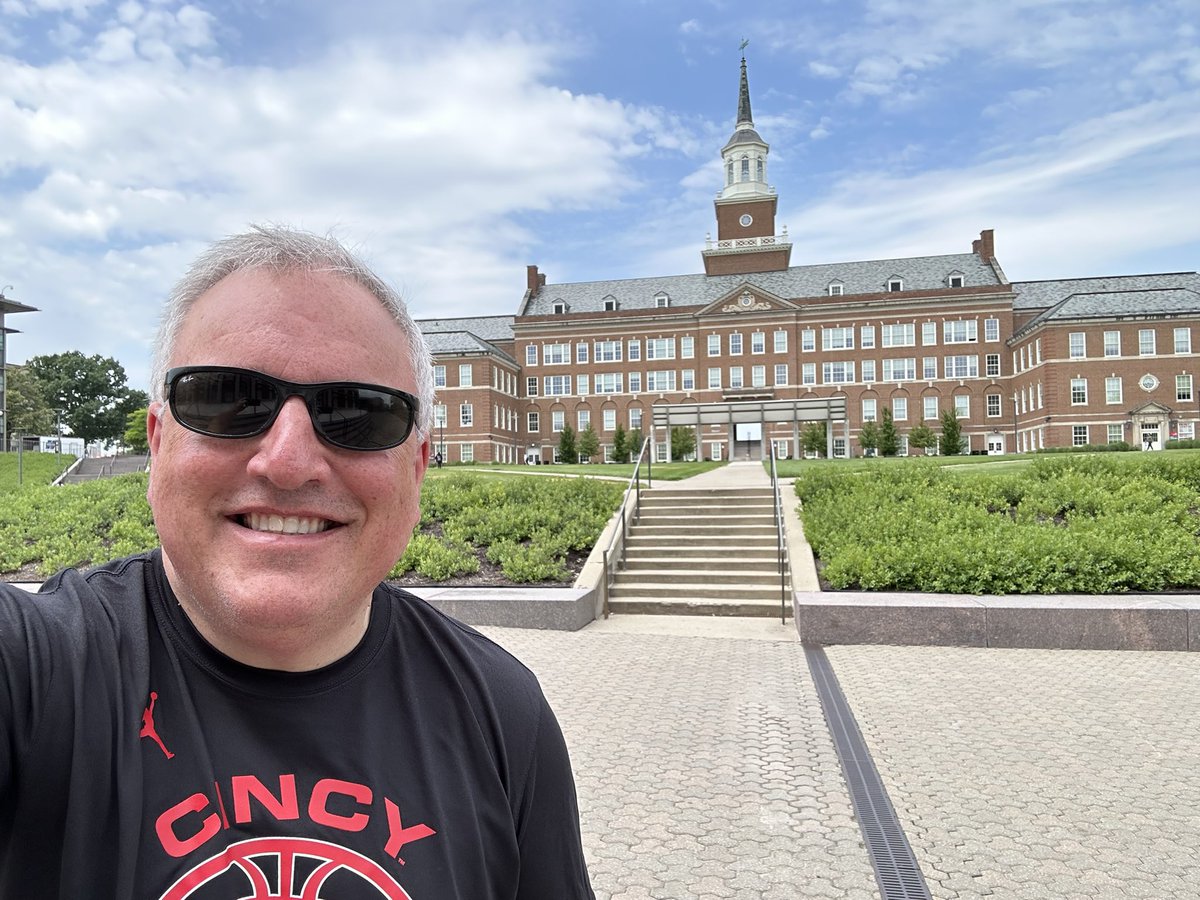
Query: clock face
pixel 1148 382
pixel 746 219
pixel 746 299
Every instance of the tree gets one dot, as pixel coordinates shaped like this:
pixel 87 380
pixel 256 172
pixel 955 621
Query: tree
pixel 589 444
pixel 814 438
pixel 952 442
pixel 922 437
pixel 620 447
pixel 28 411
pixel 889 440
pixel 89 391
pixel 635 442
pixel 566 445
pixel 868 436
pixel 135 431
pixel 683 442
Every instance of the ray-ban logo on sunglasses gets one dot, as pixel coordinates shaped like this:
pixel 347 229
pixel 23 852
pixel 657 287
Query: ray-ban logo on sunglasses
pixel 227 402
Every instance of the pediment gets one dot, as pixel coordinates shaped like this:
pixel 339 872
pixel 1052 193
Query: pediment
pixel 1153 408
pixel 747 298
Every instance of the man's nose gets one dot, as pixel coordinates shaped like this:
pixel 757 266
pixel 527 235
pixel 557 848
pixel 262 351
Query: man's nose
pixel 289 453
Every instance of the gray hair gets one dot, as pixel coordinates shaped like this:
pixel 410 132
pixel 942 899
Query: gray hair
pixel 279 249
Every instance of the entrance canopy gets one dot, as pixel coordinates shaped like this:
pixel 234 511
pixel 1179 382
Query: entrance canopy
pixel 736 412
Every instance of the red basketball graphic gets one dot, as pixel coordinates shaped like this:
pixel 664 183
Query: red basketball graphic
pixel 282 868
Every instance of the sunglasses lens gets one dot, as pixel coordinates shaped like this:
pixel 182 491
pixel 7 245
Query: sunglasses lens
pixel 227 404
pixel 360 418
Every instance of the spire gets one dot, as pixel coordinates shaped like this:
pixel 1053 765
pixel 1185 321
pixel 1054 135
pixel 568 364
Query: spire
pixel 744 116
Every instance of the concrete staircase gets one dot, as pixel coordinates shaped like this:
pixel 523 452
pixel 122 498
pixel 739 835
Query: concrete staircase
pixel 708 552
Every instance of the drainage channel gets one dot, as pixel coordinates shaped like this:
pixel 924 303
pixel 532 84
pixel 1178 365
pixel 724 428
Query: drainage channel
pixel 896 870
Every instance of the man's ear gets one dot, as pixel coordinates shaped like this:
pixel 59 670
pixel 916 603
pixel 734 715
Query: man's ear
pixel 154 414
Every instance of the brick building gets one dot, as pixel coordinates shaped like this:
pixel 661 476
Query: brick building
pixel 751 349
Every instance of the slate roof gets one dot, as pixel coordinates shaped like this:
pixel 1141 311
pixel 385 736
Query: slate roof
pixel 490 328
pixel 865 277
pixel 1032 295
pixel 1114 304
pixel 462 342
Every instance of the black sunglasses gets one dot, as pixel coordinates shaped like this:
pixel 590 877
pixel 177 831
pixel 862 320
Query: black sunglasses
pixel 225 402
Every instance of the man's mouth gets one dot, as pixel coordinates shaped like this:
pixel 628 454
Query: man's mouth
pixel 284 524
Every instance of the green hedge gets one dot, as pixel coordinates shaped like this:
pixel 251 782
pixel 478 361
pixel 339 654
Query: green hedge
pixel 1060 525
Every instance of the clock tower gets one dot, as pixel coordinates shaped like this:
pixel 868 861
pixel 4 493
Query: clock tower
pixel 746 240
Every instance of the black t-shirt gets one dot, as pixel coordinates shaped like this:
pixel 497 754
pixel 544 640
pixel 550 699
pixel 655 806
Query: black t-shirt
pixel 136 761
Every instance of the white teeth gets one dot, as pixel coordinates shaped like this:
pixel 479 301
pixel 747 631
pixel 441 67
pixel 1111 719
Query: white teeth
pixel 285 525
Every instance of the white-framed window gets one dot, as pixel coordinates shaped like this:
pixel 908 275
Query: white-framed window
pixel 929 368
pixel 556 354
pixel 1078 391
pixel 955 281
pixel 992 364
pixel 929 334
pixel 929 408
pixel 1183 387
pixel 556 385
pixel 900 409
pixel 531 355
pixel 808 373
pixel 808 340
pixel 466 453
pixel 439 416
pixel 660 348
pixel 1146 342
pixel 687 347
pixel 714 345
pixel 900 369
pixel 993 405
pixel 714 379
pixel 660 380
pixel 583 418
pixel 466 415
pixel 687 379
pixel 735 377
pixel 1116 432
pixel 1187 431
pixel 1113 390
pixel 660 449
pixel 870 409
pixel 531 386
pixel 839 448
pixel 661 300
pixel 558 419
pixel 608 382
pixel 533 422
pixel 1037 351
pixel 866 337
pixel 837 372
pixel 1077 345
pixel 466 375
pixel 1112 343
pixel 1183 340
pixel 781 374
pixel 635 418
pixel 610 304
pixel 961 366
pixel 1039 396
pixel 635 351
pixel 735 344
pixel 581 385
pixel 1079 435
pixel 758 342
pixel 758 376
pixel 635 382
pixel 781 342
pixel 962 406
pixel 836 288
pixel 581 352
pixel 608 351
pixel 902 334
pixel 868 371
pixel 837 338
pixel 895 283
pixel 960 331
pixel 439 376
pixel 609 417
pixel 991 329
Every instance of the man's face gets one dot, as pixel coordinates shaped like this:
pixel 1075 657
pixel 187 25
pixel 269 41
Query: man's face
pixel 253 591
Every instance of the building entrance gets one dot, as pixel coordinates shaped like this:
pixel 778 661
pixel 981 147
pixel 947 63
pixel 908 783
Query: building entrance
pixel 1151 436
pixel 747 441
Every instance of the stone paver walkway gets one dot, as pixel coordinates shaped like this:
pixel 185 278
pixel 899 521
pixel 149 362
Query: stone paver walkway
pixel 705 768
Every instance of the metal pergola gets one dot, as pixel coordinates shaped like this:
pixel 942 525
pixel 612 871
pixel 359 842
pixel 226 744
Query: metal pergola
pixel 747 412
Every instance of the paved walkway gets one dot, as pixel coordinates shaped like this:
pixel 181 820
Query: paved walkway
pixel 705 768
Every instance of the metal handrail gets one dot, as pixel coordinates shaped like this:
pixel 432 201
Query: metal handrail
pixel 634 489
pixel 780 539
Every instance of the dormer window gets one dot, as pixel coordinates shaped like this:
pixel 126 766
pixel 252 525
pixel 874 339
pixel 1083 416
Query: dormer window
pixel 895 283
pixel 560 308
pixel 836 289
pixel 610 304
pixel 661 300
pixel 955 279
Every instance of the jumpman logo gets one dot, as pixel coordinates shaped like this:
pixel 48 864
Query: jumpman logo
pixel 148 729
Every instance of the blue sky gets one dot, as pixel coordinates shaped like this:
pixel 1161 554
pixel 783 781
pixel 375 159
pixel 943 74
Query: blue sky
pixel 455 142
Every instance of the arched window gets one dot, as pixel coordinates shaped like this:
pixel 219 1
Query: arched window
pixel 745 168
pixel 760 170
pixel 729 172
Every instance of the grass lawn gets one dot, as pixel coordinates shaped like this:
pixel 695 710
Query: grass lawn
pixel 675 471
pixel 790 468
pixel 36 468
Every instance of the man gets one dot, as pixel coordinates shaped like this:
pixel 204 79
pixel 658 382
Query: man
pixel 249 712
